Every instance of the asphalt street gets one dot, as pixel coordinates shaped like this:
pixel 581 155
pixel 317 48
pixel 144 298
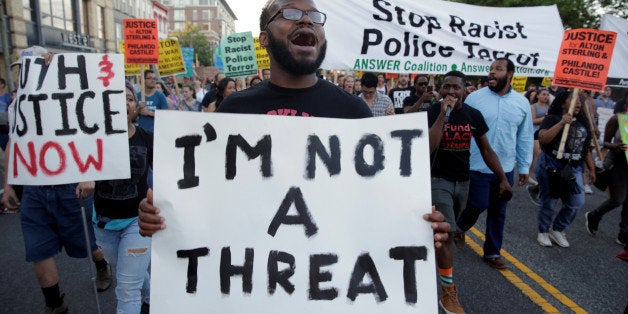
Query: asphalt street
pixel 583 278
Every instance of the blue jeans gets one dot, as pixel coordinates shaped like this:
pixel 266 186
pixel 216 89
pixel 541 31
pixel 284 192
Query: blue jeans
pixel 483 195
pixel 571 202
pixel 51 219
pixel 129 253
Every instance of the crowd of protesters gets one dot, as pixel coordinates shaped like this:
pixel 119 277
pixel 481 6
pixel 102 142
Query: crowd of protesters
pixel 475 148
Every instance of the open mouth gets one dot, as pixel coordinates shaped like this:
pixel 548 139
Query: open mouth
pixel 304 39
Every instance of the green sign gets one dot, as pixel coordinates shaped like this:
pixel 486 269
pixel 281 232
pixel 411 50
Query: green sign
pixel 238 55
pixel 623 129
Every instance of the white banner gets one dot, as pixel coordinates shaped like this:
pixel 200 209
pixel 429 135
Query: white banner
pixel 69 123
pixel 324 218
pixel 432 36
pixel 619 63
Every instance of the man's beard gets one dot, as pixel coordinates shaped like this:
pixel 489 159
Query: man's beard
pixel 288 62
pixel 501 83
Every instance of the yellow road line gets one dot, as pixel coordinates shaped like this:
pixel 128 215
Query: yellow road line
pixel 515 280
pixel 531 274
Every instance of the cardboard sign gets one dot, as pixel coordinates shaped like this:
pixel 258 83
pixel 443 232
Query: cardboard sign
pixel 263 60
pixel 142 41
pixel 238 55
pixel 435 37
pixel 584 58
pixel 130 69
pixel 69 121
pixel 604 114
pixel 188 60
pixel 306 221
pixel 623 129
pixel 170 57
pixel 519 83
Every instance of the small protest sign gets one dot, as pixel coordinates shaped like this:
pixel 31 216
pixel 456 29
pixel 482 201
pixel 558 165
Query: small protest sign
pixel 238 55
pixel 141 38
pixel 519 83
pixel 305 221
pixel 263 60
pixel 188 60
pixel 584 58
pixel 69 122
pixel 170 57
pixel 547 82
pixel 129 68
pixel 623 129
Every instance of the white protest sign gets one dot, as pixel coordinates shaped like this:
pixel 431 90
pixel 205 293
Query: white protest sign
pixel 604 114
pixel 619 63
pixel 433 36
pixel 68 123
pixel 273 214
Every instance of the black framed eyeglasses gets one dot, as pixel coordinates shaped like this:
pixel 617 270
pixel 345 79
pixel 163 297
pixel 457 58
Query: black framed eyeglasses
pixel 296 14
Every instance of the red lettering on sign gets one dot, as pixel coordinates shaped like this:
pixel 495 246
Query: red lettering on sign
pixel 32 167
pixel 42 158
pixel 90 159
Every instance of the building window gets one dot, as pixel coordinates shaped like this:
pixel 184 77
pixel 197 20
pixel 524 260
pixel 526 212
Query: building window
pixel 59 13
pixel 100 19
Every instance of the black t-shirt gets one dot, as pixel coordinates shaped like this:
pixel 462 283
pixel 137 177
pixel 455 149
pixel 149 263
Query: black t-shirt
pixel 323 100
pixel 451 160
pixel 410 100
pixel 117 199
pixel 398 95
pixel 209 98
pixel 578 140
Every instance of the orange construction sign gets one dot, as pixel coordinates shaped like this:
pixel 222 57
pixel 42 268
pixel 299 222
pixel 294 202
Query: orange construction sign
pixel 584 58
pixel 141 41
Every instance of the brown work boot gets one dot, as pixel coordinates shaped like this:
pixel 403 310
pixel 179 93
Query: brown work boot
pixel 449 300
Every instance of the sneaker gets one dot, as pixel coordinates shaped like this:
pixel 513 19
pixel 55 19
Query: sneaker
pixel 103 278
pixel 591 223
pixel 63 308
pixel 587 189
pixel 449 300
pixel 459 239
pixel 559 238
pixel 532 181
pixel 496 262
pixel 534 194
pixel 543 239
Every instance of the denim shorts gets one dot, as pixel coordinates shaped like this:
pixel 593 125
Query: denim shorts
pixel 51 219
pixel 450 198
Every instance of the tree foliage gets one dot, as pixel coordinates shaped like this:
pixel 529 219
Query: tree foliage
pixel 192 37
pixel 574 13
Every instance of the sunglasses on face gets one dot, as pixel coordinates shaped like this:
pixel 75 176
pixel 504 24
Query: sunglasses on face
pixel 296 14
pixel 422 83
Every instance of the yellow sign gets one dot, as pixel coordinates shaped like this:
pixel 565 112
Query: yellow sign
pixel 263 61
pixel 547 82
pixel 519 83
pixel 129 69
pixel 170 59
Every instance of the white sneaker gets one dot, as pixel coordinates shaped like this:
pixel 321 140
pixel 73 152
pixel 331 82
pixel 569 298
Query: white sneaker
pixel 531 181
pixel 559 238
pixel 587 189
pixel 544 239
